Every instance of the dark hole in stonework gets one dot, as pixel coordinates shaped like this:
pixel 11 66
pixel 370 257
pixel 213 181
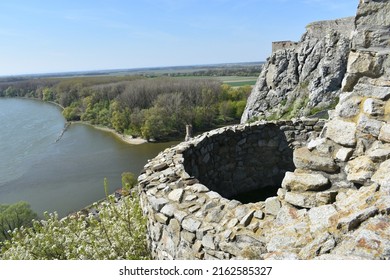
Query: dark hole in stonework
pixel 247 166
pixel 257 195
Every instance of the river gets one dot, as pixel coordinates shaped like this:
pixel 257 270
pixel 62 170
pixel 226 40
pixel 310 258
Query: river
pixel 64 175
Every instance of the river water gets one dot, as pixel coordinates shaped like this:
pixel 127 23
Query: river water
pixel 64 175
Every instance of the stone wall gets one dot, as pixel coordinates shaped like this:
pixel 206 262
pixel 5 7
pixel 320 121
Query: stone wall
pixel 187 191
pixel 282 45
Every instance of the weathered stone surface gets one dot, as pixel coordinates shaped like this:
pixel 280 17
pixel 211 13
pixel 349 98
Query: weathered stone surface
pixel 360 169
pixel 320 217
pixel 304 182
pixel 162 219
pixel 258 214
pixel 305 200
pixel 208 242
pixel 315 65
pixel 349 106
pixel 157 203
pixel 373 107
pixel 272 206
pixel 190 224
pixel 384 134
pixel 369 126
pixel 355 219
pixel 245 221
pixel 379 154
pixel 382 175
pixel 341 132
pixel 278 256
pixel 343 154
pixel 168 210
pixel 281 243
pixel 322 244
pixel 304 159
pixel 176 195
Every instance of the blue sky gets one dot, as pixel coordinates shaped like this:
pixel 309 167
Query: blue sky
pixel 44 36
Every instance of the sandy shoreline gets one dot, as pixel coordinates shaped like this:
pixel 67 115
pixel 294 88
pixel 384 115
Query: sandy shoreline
pixel 125 138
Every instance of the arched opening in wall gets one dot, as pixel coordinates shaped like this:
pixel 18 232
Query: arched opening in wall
pixel 247 165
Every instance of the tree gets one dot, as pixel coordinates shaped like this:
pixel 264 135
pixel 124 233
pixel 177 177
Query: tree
pixel 116 231
pixel 14 216
pixel 128 181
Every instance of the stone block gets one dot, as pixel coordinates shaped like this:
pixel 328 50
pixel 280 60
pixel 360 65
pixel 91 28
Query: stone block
pixel 354 220
pixel 360 169
pixel 304 181
pixel 176 195
pixel 341 132
pixel 320 217
pixel 305 199
pixel 162 219
pixel 245 221
pixel 343 154
pixel 382 175
pixel 384 134
pixel 272 206
pixel 373 107
pixel 369 126
pixel 168 210
pixel 208 242
pixel 157 203
pixel 304 159
pixel 191 224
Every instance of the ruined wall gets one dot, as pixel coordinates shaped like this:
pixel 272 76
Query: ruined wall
pixel 282 45
pixel 186 191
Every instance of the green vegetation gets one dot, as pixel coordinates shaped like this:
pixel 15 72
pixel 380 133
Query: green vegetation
pixel 111 229
pixel 14 216
pixel 118 231
pixel 157 108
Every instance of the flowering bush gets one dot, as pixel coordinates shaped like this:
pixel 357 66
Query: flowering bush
pixel 116 231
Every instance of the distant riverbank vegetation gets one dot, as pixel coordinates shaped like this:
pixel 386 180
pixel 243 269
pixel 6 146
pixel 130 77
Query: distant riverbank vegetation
pixel 151 108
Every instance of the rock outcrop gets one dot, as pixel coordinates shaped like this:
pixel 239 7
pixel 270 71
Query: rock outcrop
pixel 304 77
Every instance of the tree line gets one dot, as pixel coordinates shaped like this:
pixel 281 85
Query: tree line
pixel 157 108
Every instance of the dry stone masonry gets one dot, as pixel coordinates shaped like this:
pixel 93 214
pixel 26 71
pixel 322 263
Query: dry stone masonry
pixel 190 193
pixel 326 192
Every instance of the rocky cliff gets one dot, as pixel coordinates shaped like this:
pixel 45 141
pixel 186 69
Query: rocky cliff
pixel 304 77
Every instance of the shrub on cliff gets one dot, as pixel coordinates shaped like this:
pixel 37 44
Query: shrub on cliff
pixel 13 216
pixel 117 231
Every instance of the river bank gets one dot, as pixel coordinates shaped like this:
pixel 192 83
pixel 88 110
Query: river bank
pixel 125 138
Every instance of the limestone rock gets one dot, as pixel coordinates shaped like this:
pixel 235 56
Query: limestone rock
pixel 190 224
pixel 369 126
pixel 360 169
pixel 373 107
pixel 382 175
pixel 305 75
pixel 176 195
pixel 305 200
pixel 304 159
pixel 355 219
pixel 384 134
pixel 341 132
pixel 304 181
pixel 320 217
pixel 343 154
pixel 272 206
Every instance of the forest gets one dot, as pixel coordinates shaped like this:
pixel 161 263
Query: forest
pixel 152 108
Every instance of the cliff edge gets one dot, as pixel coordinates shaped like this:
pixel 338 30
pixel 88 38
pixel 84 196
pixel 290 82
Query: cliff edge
pixel 305 77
